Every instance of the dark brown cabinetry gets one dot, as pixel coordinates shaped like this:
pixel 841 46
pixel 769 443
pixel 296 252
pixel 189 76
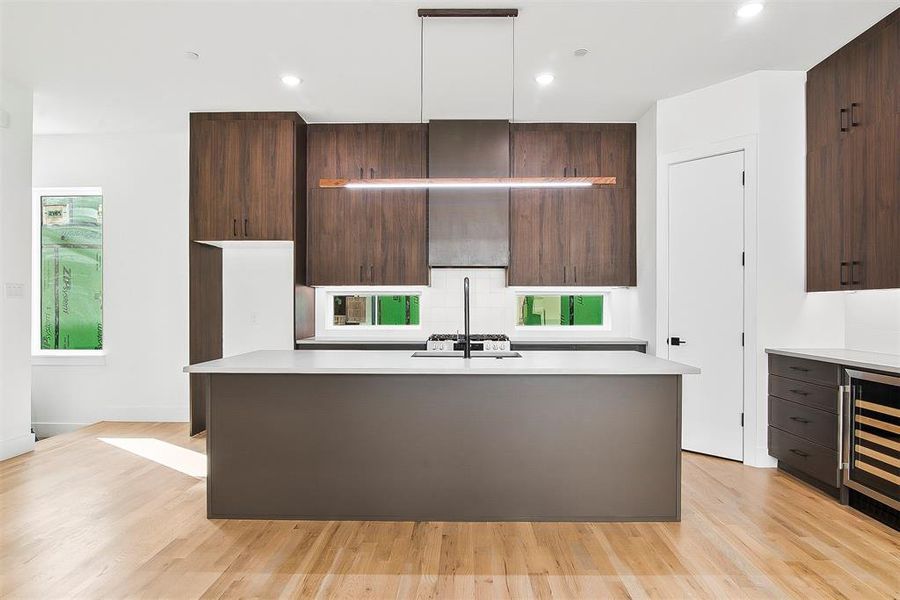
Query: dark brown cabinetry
pixel 247 182
pixel 578 237
pixel 243 175
pixel 853 200
pixel 804 430
pixel 370 237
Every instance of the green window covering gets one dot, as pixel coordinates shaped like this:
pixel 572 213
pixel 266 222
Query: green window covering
pixel 560 310
pixel 71 273
pixel 376 310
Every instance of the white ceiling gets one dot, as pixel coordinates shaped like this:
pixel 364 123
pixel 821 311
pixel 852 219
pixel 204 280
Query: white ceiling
pixel 120 66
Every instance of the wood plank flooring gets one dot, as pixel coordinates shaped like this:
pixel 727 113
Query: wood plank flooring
pixel 81 518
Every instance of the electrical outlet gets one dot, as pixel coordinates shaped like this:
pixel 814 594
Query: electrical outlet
pixel 14 290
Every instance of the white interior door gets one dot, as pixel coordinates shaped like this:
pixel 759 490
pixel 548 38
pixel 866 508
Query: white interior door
pixel 706 299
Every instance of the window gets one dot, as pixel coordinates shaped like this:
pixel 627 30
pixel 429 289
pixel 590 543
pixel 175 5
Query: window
pixel 561 310
pixel 375 310
pixel 69 271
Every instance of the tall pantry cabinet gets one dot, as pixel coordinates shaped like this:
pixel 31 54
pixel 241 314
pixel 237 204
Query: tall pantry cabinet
pixel 853 168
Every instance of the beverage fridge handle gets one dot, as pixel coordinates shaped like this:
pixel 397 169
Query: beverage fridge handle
pixel 844 429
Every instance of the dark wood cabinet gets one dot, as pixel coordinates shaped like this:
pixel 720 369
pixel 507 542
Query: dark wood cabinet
pixel 243 175
pixel 367 237
pixel 804 436
pixel 247 182
pixel 853 124
pixel 579 237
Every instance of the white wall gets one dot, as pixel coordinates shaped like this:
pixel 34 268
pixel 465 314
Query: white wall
pixel 257 299
pixel 15 270
pixel 643 309
pixel 492 304
pixel 765 110
pixel 872 321
pixel 145 186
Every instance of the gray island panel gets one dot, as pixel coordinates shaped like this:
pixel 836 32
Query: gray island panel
pixel 445 446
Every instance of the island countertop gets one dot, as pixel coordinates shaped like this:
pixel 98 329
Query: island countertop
pixel 399 362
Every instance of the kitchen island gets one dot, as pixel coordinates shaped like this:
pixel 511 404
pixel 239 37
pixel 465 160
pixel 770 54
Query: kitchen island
pixel 343 434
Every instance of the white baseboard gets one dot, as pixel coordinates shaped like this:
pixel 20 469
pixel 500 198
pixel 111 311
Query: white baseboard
pixel 762 459
pixel 45 430
pixel 16 446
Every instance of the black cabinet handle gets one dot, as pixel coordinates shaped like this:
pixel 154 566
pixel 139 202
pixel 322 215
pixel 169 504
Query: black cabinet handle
pixel 575 268
pixel 799 392
pixel 371 273
pixel 565 171
pixel 564 273
pixel 853 279
pixel 801 369
pixel 246 227
pixel 234 228
pixel 576 171
pixel 844 280
pixel 372 173
pixel 360 273
pixel 853 121
pixel 360 172
pixel 844 127
pixel 799 420
pixel 800 453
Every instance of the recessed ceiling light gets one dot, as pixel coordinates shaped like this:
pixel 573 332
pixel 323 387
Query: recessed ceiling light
pixel 750 9
pixel 290 80
pixel 191 55
pixel 581 51
pixel 544 78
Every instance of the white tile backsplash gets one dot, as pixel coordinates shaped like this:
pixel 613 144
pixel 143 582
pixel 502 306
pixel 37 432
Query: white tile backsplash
pixel 491 302
pixel 872 321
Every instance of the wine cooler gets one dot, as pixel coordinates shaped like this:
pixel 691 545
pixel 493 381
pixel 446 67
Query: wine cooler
pixel 871 437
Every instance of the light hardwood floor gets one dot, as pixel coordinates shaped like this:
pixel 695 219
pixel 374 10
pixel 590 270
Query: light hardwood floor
pixel 82 518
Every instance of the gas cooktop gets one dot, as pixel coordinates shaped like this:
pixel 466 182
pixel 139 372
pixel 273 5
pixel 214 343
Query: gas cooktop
pixel 480 342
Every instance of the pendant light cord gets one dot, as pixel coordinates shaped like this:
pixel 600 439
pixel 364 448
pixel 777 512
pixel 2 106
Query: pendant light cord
pixel 421 69
pixel 513 117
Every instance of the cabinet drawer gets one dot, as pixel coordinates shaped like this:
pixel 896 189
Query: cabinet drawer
pixel 804 370
pixel 810 394
pixel 809 423
pixel 812 459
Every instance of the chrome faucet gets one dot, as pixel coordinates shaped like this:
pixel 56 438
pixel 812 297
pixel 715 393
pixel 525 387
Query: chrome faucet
pixel 467 343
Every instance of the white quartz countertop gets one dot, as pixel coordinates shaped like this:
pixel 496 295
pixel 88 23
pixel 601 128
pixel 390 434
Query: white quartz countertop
pixel 875 361
pixel 400 362
pixel 574 342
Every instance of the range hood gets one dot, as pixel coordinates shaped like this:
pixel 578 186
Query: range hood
pixel 468 227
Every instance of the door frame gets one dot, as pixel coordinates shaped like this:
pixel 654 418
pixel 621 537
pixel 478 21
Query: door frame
pixel 755 444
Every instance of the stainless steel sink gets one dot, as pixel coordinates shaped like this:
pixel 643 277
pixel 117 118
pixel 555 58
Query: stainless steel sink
pixel 459 354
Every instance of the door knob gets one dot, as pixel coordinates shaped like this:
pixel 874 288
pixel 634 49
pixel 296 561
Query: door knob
pixel 676 341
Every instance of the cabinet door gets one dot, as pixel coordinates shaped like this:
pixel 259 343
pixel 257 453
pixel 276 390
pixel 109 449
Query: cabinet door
pixel 539 150
pixel 824 229
pixel 337 237
pixel 335 151
pixel 853 70
pixel 880 246
pixel 538 238
pixel 601 237
pixel 269 180
pixel 216 166
pixel 823 116
pixel 397 243
pixel 396 150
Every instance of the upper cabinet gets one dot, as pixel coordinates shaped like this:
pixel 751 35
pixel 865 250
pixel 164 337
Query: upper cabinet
pixel 853 200
pixel 367 237
pixel 245 175
pixel 573 237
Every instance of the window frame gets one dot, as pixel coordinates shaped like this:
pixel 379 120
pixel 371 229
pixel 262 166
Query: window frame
pixel 41 356
pixel 517 292
pixel 330 294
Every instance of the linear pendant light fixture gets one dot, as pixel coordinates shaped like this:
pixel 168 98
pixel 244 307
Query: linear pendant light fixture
pixel 467 182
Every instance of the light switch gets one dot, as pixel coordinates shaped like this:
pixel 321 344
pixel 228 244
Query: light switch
pixel 14 290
